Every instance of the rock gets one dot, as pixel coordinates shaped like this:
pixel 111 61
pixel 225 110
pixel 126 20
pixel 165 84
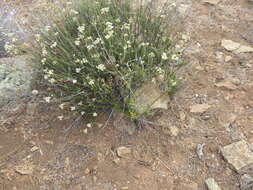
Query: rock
pixel 150 97
pixel 24 169
pixel 236 81
pixel 236 47
pixel 16 78
pixel 116 161
pixel 34 148
pixel 228 58
pixel 239 155
pixel 199 150
pixel 246 182
pixel 86 171
pixel 199 108
pixel 211 184
pixel 212 2
pixel 174 131
pixel 123 151
pixel 226 85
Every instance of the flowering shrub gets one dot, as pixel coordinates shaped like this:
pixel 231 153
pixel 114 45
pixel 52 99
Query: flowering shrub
pixel 103 51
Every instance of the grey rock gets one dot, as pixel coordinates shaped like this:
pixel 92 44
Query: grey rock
pixel 246 182
pixel 199 150
pixel 235 47
pixel 239 155
pixel 211 184
pixel 150 97
pixel 123 151
pixel 16 78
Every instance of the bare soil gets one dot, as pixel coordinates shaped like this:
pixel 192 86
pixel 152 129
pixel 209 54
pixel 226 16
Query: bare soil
pixel 55 154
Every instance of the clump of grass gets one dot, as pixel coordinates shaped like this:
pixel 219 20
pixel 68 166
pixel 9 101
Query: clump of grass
pixel 103 51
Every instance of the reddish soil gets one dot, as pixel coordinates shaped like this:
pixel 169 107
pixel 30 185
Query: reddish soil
pixel 59 155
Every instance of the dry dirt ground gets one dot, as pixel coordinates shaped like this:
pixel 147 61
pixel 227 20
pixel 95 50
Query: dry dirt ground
pixel 58 155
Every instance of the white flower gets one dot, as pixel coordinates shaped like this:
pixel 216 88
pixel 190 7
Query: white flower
pixel 47 99
pixel 77 42
pixel 43 61
pixel 35 92
pixel 151 54
pixel 85 131
pixel 88 125
pixel 105 10
pixel 164 56
pixel 117 20
pixel 97 41
pixel 95 114
pixel 126 26
pixel 61 106
pixel 82 113
pixel 101 67
pixel 50 72
pixel 78 70
pixel 174 57
pixel 159 70
pixel 84 60
pixel 80 103
pixel 91 82
pixel 52 80
pixel 60 117
pixel 109 35
pixel 72 108
pixel 53 45
pixel 44 52
pixel 47 28
pixel 89 47
pixel 74 81
pixel 46 77
pixel 81 28
pixel 74 12
pixel 37 37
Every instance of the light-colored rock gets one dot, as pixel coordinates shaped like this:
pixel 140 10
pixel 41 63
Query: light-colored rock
pixel 211 184
pixel 235 47
pixel 150 97
pixel 239 155
pixel 246 182
pixel 199 108
pixel 123 151
pixel 212 2
pixel 228 58
pixel 34 148
pixel 16 78
pixel 199 150
pixel 227 85
pixel 24 169
pixel 174 131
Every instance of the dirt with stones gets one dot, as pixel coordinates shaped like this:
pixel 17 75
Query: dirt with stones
pixel 179 149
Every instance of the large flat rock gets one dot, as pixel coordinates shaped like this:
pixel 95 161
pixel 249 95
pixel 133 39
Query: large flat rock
pixel 239 155
pixel 16 78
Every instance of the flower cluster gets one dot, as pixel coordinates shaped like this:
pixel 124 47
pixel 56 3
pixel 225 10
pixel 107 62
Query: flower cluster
pixel 101 54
